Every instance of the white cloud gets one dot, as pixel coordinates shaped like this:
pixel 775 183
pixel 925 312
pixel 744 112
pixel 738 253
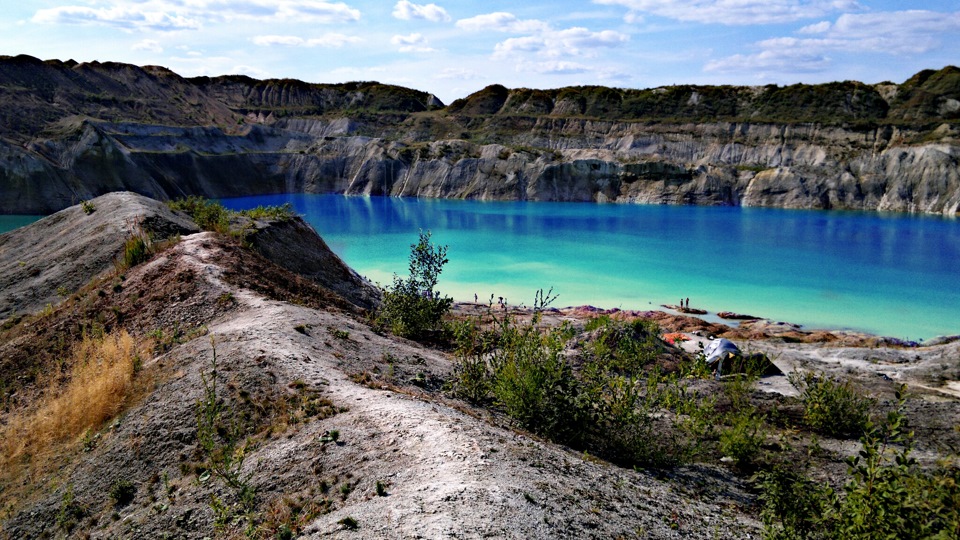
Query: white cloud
pixel 501 22
pixel 817 28
pixel 457 74
pixel 174 15
pixel 577 37
pixel 734 12
pixel 406 11
pixel 250 71
pixel 771 61
pixel 897 33
pixel 911 31
pixel 192 66
pixel 331 40
pixel 151 45
pixel 122 17
pixel 555 43
pixel 315 11
pixel 412 43
pixel 554 68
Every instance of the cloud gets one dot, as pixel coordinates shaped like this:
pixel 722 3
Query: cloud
pixel 912 31
pixel 501 22
pixel 406 11
pixel 124 18
pixel 554 68
pixel 895 33
pixel 148 45
pixel 175 15
pixel 734 12
pixel 315 11
pixel 554 43
pixel 817 28
pixel 193 65
pixel 331 40
pixel 457 74
pixel 412 43
pixel 774 60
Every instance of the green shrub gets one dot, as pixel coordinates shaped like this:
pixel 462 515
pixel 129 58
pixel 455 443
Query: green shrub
pixel 830 406
pixel 621 346
pixel 742 440
pixel 535 385
pixel 411 307
pixel 207 214
pixel 135 250
pixel 472 377
pixel 605 400
pixel 122 492
pixel 282 212
pixel 88 207
pixel 221 437
pixel 885 496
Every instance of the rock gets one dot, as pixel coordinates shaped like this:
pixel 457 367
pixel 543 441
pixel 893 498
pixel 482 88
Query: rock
pixel 729 315
pixel 235 136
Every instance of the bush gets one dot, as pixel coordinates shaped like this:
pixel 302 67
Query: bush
pixel 283 212
pixel 208 215
pixel 135 251
pixel 606 400
pixel 122 492
pixel 535 385
pixel 885 496
pixel 831 406
pixel 412 306
pixel 472 378
pixel 742 440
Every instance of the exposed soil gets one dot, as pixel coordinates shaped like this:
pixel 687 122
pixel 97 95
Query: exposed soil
pixel 306 363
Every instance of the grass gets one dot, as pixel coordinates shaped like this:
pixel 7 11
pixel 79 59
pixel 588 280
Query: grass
pixel 211 215
pixel 104 379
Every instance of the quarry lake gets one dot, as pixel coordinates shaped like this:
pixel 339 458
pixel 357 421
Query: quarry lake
pixel 894 275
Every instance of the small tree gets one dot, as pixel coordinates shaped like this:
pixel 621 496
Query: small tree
pixel 412 306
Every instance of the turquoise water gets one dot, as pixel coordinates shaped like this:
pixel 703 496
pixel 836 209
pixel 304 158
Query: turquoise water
pixel 894 275
pixel 9 223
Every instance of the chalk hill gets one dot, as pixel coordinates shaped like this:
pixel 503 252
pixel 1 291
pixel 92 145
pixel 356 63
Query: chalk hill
pixel 69 132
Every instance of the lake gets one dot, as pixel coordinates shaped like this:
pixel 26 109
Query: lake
pixel 894 275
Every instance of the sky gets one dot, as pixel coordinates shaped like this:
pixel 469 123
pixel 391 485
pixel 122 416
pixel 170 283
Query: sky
pixel 452 48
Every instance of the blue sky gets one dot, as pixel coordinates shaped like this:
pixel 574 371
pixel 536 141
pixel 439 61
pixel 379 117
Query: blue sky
pixel 455 47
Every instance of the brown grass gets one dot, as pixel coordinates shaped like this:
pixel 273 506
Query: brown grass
pixel 104 379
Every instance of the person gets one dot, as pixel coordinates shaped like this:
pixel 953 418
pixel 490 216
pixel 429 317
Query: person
pixel 475 299
pixel 688 302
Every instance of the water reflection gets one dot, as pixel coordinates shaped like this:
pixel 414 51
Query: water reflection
pixel 890 274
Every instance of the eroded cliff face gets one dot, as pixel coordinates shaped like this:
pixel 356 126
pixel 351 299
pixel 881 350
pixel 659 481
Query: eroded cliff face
pixel 262 137
pixel 714 164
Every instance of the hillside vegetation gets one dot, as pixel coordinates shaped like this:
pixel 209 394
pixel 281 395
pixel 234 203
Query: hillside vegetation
pixel 199 389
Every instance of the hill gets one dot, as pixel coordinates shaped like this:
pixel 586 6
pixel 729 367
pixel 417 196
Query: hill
pixel 199 389
pixel 70 132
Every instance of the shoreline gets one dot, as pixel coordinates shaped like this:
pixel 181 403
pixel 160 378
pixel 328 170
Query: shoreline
pixel 734 326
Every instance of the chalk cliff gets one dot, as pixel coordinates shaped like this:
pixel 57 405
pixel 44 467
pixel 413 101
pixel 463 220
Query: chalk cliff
pixel 69 132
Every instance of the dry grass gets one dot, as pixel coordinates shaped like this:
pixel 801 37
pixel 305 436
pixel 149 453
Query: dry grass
pixel 104 379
